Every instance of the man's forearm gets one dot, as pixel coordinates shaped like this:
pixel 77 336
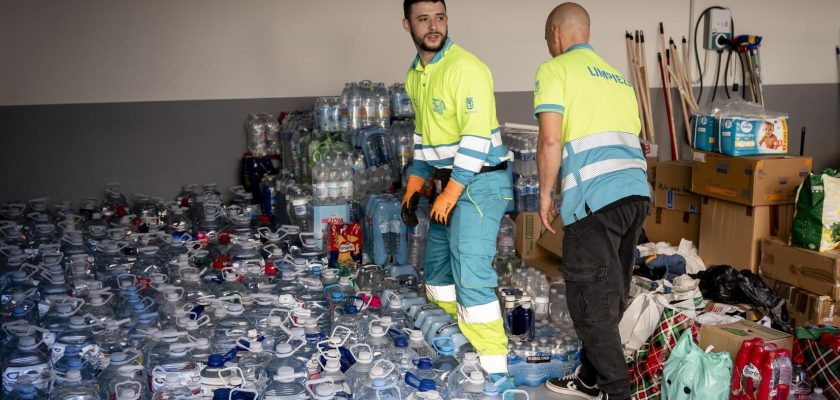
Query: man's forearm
pixel 549 151
pixel 548 165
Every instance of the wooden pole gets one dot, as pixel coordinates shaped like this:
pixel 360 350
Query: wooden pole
pixel 642 56
pixel 634 72
pixel 667 95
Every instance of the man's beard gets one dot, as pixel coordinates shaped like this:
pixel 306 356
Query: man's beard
pixel 421 44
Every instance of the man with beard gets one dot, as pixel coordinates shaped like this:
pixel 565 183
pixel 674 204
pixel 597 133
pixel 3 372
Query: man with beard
pixel 457 142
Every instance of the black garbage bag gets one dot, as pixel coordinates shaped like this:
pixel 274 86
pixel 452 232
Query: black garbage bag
pixel 767 299
pixel 719 283
pixel 724 284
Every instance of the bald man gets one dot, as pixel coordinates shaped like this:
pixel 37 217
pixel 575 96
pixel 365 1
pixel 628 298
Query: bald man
pixel 589 119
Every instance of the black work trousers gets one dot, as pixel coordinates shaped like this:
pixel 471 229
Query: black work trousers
pixel 598 257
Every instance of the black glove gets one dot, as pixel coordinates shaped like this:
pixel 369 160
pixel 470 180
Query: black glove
pixel 409 211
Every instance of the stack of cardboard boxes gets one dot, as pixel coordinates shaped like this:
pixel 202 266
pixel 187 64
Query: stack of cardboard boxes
pixel 809 280
pixel 725 205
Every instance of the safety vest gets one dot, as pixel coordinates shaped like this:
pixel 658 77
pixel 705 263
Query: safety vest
pixel 456 125
pixel 602 160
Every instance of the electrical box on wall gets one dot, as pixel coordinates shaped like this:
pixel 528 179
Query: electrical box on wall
pixel 718 29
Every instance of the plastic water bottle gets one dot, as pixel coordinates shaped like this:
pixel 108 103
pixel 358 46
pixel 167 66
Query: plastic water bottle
pixel 253 363
pixel 78 334
pixel 446 361
pixel 27 360
pixel 424 372
pixel 285 384
pixel 381 387
pixel 178 361
pixel 357 374
pixel 73 387
pixel 171 387
pixel 287 356
pixel 228 330
pixel 23 389
pixel 506 237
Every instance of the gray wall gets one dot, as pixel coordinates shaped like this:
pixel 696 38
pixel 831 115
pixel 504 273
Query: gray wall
pixel 68 151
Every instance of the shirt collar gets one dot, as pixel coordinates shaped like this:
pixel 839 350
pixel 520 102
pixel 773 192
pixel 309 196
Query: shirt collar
pixel 446 45
pixel 579 46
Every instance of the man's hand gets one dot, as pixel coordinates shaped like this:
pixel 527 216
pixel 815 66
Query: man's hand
pixel 410 199
pixel 445 202
pixel 547 212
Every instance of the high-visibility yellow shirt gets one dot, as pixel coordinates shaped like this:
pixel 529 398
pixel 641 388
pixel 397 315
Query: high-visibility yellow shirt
pixel 577 82
pixel 455 115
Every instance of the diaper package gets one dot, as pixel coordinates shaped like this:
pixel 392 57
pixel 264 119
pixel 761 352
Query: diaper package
pixel 747 129
pixel 704 131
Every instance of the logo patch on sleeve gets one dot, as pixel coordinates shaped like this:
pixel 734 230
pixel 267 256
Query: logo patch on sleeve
pixel 470 103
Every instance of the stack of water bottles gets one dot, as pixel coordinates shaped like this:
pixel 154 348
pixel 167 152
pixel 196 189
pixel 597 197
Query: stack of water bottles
pixel 525 178
pixel 542 342
pixel 198 298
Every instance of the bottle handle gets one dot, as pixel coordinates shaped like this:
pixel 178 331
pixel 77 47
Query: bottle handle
pixel 123 386
pixel 358 345
pixel 410 378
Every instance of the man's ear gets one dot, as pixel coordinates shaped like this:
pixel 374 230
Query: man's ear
pixel 406 25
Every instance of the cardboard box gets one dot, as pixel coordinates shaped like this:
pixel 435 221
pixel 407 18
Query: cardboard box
pixel 549 265
pixel 751 181
pixel 672 226
pixel 652 163
pixel 806 308
pixel 673 187
pixel 528 230
pixel 816 272
pixel 728 338
pixel 552 243
pixel 731 233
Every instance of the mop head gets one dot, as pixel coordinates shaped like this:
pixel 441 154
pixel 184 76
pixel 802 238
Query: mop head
pixel 746 42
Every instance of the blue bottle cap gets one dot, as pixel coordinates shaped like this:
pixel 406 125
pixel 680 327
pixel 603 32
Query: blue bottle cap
pixel 423 363
pixel 401 342
pixel 426 385
pixel 216 361
pixel 221 394
pixel 337 296
pixel 351 309
pixel 18 311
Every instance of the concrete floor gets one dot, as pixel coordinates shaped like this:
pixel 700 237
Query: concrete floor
pixel 540 392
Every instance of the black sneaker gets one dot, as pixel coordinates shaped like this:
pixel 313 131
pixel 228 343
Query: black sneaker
pixel 572 386
pixel 605 396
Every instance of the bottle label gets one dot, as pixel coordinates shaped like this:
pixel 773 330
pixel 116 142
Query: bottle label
pixel 505 242
pixel 39 373
pixel 395 226
pixel 299 210
pixel 90 353
pixel 538 358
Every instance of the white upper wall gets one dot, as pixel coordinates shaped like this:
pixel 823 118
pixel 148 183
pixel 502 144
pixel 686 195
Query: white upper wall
pixel 81 51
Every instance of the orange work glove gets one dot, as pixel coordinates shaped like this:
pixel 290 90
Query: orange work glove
pixel 410 200
pixel 445 202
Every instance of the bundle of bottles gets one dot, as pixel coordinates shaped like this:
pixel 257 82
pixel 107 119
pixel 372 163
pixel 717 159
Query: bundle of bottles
pixel 525 178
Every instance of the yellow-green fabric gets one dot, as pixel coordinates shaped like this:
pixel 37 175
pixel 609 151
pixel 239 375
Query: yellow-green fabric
pixel 578 80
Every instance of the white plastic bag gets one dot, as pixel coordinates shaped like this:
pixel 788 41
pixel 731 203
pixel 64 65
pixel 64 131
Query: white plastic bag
pixel 640 320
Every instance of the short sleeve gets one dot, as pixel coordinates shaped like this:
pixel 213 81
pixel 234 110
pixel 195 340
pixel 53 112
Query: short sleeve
pixel 549 90
pixel 474 102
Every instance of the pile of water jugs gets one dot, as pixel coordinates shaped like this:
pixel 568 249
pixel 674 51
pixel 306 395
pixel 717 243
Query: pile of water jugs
pixel 201 299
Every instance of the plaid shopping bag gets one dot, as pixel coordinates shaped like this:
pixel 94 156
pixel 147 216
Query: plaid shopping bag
pixel 647 363
pixel 822 365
